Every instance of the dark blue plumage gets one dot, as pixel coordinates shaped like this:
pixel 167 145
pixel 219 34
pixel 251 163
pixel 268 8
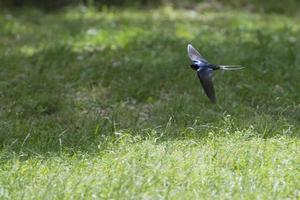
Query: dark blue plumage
pixel 205 71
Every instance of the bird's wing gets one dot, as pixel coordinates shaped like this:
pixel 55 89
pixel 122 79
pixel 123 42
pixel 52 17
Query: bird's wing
pixel 194 54
pixel 205 76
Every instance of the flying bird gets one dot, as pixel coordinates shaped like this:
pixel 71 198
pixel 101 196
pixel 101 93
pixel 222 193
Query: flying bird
pixel 205 70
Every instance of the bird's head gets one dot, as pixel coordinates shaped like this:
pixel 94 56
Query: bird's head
pixel 194 66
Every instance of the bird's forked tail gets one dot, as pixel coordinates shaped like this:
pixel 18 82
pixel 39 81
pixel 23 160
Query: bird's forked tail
pixel 230 67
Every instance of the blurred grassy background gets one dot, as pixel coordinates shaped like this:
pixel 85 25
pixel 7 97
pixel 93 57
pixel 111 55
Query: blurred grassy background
pixel 81 68
pixel 99 101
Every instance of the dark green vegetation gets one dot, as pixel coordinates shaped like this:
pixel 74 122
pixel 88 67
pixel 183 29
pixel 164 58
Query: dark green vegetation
pixel 269 6
pixel 103 104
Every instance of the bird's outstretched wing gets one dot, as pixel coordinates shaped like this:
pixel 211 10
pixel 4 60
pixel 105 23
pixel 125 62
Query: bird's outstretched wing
pixel 194 54
pixel 205 76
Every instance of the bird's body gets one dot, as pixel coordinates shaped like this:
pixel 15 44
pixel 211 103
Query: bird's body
pixel 205 71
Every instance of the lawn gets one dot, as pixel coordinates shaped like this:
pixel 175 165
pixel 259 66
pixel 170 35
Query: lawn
pixel 103 104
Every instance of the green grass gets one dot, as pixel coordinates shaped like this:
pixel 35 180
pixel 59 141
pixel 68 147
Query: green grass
pixel 223 168
pixel 104 105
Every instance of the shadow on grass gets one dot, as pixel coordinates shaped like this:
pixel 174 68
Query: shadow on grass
pixel 84 92
pixel 268 6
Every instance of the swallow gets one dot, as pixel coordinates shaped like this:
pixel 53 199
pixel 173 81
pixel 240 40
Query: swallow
pixel 205 71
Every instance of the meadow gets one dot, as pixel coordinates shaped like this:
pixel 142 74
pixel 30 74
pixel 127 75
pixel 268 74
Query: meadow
pixel 102 104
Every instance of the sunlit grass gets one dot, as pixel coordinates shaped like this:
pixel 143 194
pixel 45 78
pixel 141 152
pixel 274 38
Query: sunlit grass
pixel 225 167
